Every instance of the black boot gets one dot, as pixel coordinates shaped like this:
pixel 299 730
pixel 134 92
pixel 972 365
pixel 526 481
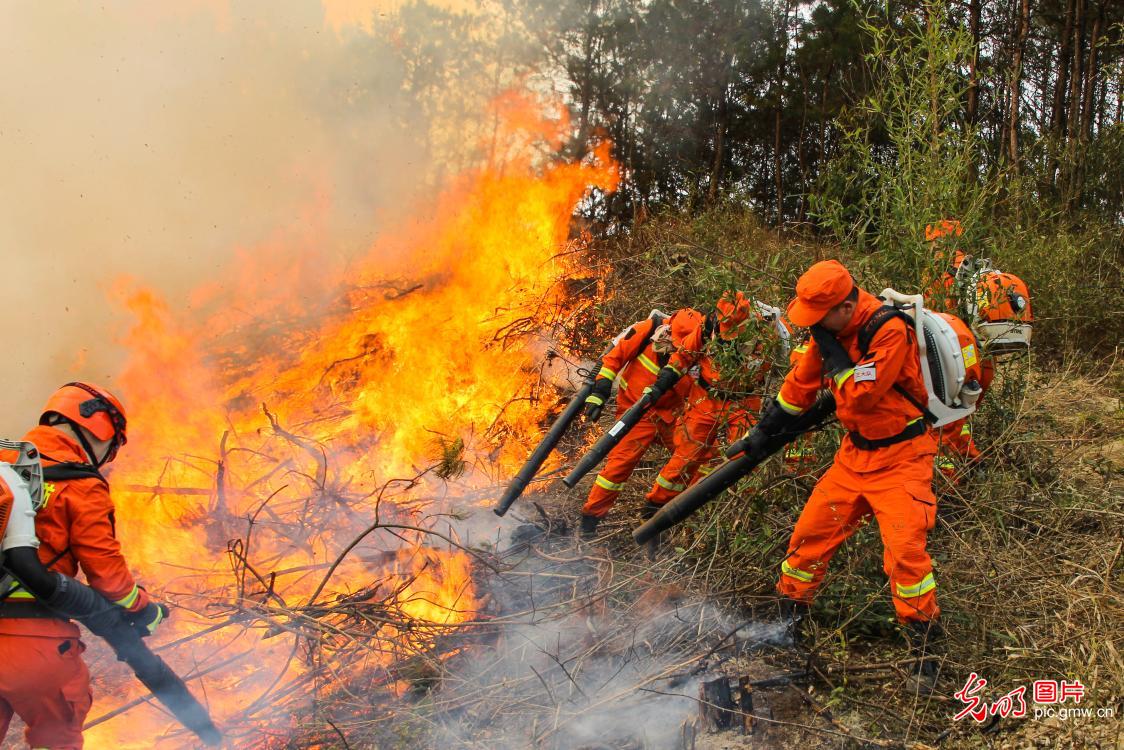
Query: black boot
pixel 925 639
pixel 795 616
pixel 589 526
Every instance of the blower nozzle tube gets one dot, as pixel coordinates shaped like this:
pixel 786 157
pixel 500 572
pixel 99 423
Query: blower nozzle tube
pixel 75 600
pixel 731 472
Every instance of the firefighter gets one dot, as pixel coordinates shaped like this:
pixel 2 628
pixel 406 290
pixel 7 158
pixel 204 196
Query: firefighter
pixel 996 305
pixel 635 359
pixel 716 401
pixel 948 258
pixel 884 466
pixel 44 679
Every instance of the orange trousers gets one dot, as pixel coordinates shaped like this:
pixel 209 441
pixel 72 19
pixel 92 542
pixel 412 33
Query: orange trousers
pixel 901 499
pixel 696 444
pixel 45 682
pixel 622 460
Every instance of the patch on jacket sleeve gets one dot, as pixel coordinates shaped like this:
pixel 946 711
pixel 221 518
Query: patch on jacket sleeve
pixel 865 372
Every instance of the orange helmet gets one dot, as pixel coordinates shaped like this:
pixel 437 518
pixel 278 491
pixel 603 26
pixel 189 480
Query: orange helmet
pixel 733 311
pixel 943 228
pixel 687 327
pixel 91 407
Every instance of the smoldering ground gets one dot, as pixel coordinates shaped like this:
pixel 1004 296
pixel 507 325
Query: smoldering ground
pixel 575 647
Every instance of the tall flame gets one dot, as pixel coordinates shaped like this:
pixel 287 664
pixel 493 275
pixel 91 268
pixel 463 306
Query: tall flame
pixel 280 416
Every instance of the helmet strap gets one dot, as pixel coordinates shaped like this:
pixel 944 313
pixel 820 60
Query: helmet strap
pixel 80 433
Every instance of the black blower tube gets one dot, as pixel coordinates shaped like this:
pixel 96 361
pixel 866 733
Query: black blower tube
pixel 74 600
pixel 731 472
pixel 665 381
pixel 546 445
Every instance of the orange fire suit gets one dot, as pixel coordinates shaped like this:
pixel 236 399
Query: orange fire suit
pixel 634 361
pixel 50 687
pixel 709 407
pixel 696 437
pixel 892 483
pixel 800 453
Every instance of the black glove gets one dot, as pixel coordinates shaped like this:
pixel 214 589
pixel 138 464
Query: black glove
pixel 774 420
pixel 146 620
pixel 835 357
pixel 667 379
pixel 595 401
pixel 751 443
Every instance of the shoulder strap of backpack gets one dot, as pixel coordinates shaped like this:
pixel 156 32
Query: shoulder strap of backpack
pixel 65 470
pixel 881 317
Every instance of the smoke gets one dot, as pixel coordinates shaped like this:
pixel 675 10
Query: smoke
pixel 162 140
pixel 587 657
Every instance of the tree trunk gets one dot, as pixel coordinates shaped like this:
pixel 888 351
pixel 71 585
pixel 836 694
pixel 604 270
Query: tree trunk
pixel 1085 131
pixel 721 125
pixel 973 62
pixel 1091 78
pixel 1076 79
pixel 778 167
pixel 1061 83
pixel 588 62
pixel 1016 86
pixel 823 118
pixel 801 160
pixel 1120 94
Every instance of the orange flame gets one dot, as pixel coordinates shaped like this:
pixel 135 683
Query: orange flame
pixel 277 418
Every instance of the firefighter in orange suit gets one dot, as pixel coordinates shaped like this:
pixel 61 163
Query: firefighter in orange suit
pixel 714 401
pixel 635 359
pixel 997 306
pixel 884 466
pixel 44 679
pixel 942 237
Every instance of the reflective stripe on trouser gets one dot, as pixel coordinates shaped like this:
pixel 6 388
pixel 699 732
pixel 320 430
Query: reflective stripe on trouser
pixel 900 498
pixel 621 462
pixel 49 690
pixel 696 436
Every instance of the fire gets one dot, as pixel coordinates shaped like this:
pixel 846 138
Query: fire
pixel 307 405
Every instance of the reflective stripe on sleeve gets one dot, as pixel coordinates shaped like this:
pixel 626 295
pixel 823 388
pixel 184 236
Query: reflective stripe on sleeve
pixel 594 399
pixel 605 372
pixel 129 599
pixel 787 406
pixel 965 431
pixel 648 364
pixel 841 378
pixel 20 594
